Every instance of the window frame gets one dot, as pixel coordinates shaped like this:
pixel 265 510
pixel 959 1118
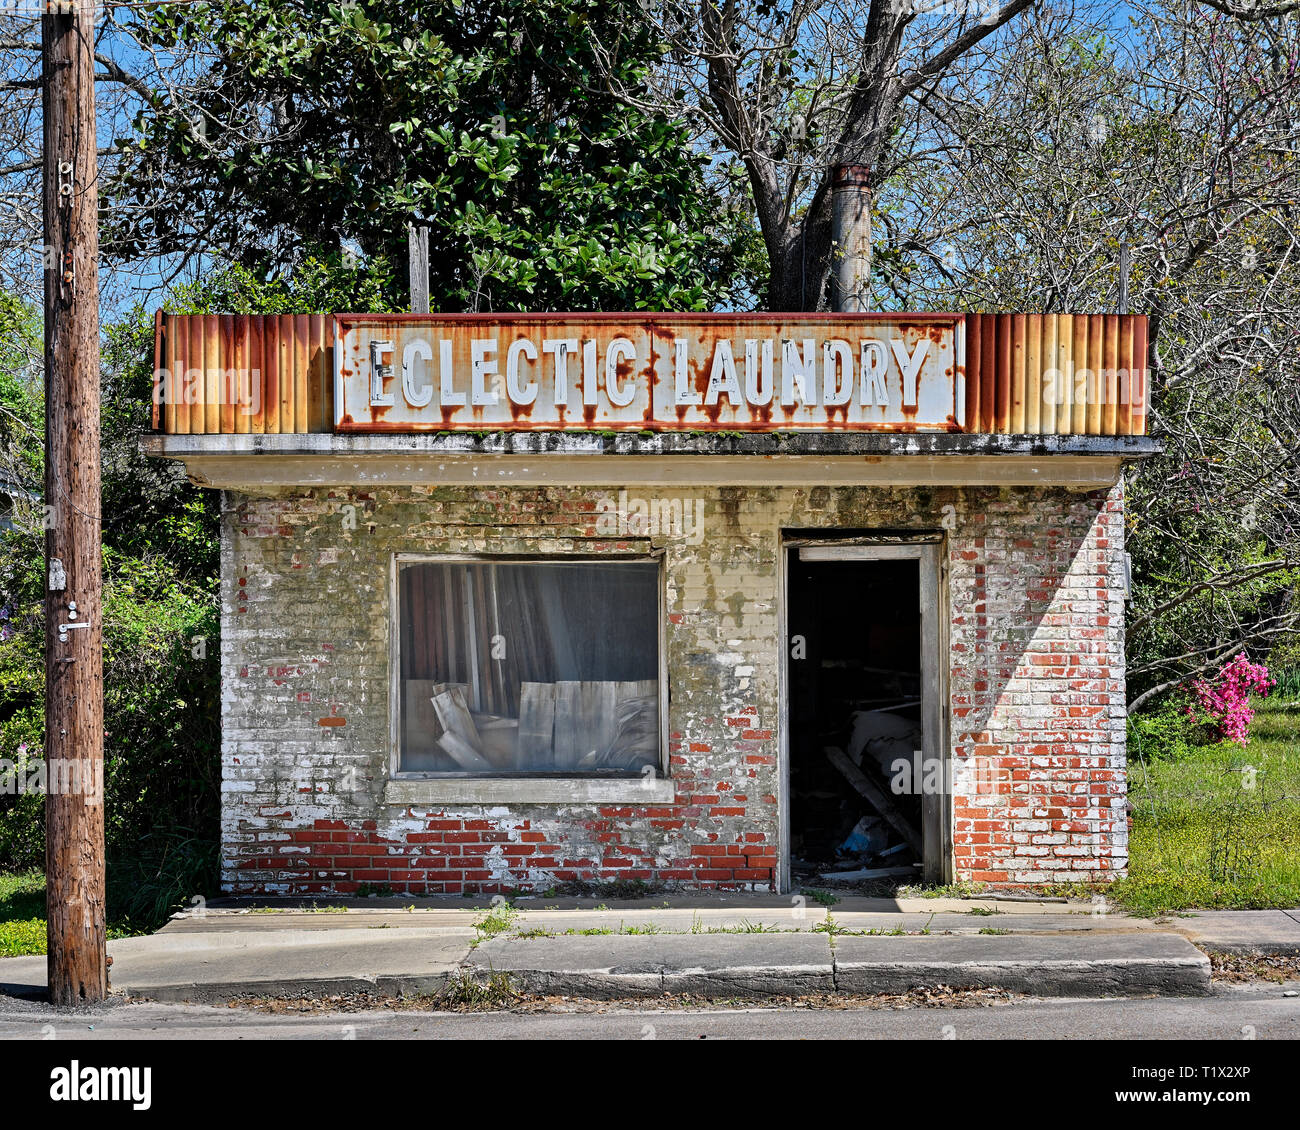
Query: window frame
pixel 606 784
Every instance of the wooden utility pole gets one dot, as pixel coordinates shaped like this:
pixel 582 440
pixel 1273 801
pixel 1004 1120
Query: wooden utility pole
pixel 74 698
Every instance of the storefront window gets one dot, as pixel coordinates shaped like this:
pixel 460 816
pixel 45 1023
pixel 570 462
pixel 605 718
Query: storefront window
pixel 522 667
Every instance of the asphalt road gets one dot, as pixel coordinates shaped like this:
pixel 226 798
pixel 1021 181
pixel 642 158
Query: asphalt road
pixel 1233 1013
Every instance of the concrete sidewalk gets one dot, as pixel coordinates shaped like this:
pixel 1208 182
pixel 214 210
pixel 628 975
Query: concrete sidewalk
pixel 731 945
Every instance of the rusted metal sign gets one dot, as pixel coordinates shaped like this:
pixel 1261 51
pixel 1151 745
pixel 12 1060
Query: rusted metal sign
pixel 1035 374
pixel 410 373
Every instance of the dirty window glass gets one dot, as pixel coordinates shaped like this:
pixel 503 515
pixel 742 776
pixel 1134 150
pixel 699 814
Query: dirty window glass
pixel 530 667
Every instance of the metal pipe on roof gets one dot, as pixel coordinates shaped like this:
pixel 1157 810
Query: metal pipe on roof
pixel 851 231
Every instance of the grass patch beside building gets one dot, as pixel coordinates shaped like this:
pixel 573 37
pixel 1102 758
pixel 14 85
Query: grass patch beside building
pixel 1217 826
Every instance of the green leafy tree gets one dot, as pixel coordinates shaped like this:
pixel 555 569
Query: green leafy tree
pixel 316 123
pixel 161 619
pixel 21 418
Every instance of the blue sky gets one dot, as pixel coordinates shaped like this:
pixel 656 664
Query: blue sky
pixel 123 285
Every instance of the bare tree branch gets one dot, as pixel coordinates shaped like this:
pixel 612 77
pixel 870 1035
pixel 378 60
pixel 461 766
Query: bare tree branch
pixel 1232 578
pixel 940 62
pixel 1251 9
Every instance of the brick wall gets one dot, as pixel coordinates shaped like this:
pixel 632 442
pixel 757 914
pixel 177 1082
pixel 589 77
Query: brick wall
pixel 1037 727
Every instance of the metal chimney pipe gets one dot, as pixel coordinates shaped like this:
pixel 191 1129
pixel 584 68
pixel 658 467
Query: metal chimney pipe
pixel 851 231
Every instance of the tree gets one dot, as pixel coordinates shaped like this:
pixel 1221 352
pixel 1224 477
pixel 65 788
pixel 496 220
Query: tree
pixel 316 124
pixel 22 253
pixel 21 413
pixel 784 92
pixel 1178 140
pixel 161 614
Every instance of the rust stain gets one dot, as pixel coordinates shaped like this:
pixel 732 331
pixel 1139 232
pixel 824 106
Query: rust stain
pixel 651 373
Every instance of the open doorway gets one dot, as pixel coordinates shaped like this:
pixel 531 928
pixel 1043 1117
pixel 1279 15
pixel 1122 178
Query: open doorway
pixel 863 715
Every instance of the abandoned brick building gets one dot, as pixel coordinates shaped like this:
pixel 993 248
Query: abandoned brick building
pixel 739 601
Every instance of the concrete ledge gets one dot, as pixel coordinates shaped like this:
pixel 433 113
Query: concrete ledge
pixel 638 443
pixel 219 956
pixel 203 992
pixel 256 462
pixel 297 963
pixel 529 790
pixel 1257 932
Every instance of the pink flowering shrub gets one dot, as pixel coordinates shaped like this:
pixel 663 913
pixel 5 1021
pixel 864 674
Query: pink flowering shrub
pixel 1225 699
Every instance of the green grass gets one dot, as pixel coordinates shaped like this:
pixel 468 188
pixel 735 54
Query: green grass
pixel 647 928
pixel 1202 838
pixel 748 927
pixel 22 914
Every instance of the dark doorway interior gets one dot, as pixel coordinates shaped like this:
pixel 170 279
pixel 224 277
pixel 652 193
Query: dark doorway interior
pixel 854 710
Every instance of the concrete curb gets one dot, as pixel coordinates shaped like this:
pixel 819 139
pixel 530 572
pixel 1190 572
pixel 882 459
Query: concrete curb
pixel 1162 964
pixel 800 964
pixel 637 965
pixel 217 966
pixel 215 993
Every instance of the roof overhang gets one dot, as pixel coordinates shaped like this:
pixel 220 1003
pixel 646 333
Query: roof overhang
pixel 254 464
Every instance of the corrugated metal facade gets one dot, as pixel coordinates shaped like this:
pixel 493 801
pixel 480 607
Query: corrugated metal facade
pixel 225 374
pixel 1056 374
pixel 1025 374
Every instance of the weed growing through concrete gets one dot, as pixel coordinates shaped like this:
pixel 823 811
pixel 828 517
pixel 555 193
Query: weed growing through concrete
pixel 647 928
pixel 748 927
pixel 498 920
pixel 464 991
pixel 829 926
pixel 822 896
